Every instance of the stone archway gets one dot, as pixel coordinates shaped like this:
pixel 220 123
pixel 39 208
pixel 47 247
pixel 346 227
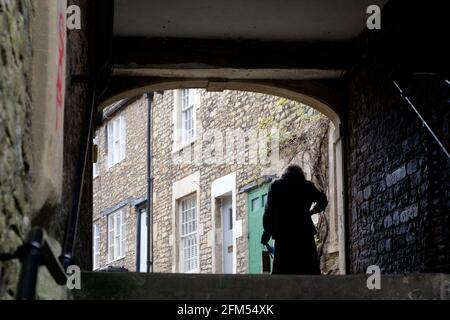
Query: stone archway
pixel 309 93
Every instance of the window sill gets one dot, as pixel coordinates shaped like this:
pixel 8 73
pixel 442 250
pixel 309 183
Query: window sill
pixel 180 146
pixel 115 164
pixel 192 271
pixel 116 260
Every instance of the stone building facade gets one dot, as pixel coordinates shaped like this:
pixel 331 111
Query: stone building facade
pixel 118 186
pixel 15 132
pixel 238 143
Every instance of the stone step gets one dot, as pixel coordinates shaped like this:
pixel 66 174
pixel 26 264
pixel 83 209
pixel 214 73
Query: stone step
pixel 129 285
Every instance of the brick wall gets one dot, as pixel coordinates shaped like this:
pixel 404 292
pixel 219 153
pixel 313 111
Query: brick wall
pixel 431 95
pixel 76 103
pixel 397 176
pixel 15 155
pixel 398 210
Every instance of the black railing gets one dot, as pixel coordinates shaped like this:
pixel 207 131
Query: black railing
pixel 34 253
pixel 67 254
pixel 440 137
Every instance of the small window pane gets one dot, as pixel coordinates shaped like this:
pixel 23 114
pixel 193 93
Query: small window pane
pixel 96 246
pixel 188 233
pixel 187 114
pixel 116 130
pixel 111 237
pixel 116 236
pixel 122 139
pixel 264 199
pixel 188 124
pixel 116 140
pixel 123 235
pixel 95 166
pixel 255 204
pixel 110 145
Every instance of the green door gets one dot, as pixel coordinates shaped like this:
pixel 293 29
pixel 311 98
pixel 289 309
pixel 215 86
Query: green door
pixel 256 200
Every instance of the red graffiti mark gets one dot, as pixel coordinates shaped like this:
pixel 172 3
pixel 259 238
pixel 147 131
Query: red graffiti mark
pixel 60 75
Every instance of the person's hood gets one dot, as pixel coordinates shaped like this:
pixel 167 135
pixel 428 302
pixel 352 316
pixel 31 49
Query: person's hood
pixel 291 175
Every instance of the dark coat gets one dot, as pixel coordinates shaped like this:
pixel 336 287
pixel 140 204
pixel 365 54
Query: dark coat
pixel 287 219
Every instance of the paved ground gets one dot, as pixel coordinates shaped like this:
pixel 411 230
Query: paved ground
pixel 124 285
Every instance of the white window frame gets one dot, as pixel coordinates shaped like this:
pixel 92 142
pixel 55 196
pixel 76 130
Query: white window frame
pixel 116 131
pixel 186 103
pixel 96 246
pixel 116 236
pixel 187 115
pixel 95 165
pixel 221 187
pixel 188 231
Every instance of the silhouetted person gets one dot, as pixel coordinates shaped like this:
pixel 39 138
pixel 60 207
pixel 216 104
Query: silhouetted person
pixel 287 219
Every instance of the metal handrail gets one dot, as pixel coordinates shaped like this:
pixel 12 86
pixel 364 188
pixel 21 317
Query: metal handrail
pixel 66 256
pixel 421 117
pixel 34 253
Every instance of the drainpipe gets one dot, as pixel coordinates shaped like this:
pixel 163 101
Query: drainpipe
pixel 149 97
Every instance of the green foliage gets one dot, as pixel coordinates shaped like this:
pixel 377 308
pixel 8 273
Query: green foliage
pixel 265 122
pixel 318 241
pixel 281 103
pixel 302 111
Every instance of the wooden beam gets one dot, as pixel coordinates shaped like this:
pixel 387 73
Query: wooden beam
pixel 204 53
